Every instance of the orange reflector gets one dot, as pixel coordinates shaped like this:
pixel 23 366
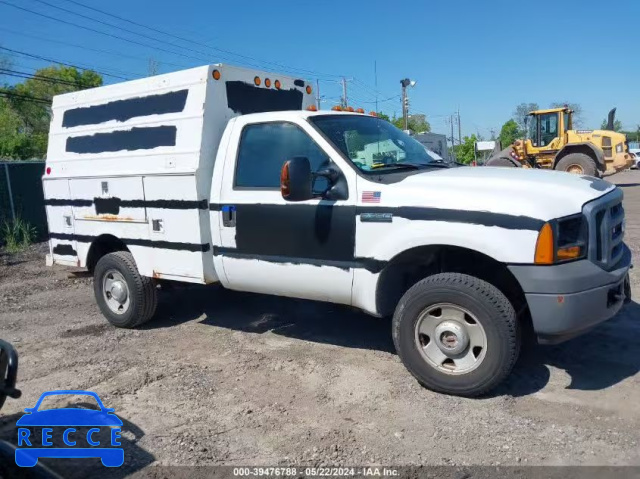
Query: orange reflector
pixel 337 108
pixel 284 180
pixel 215 74
pixel 373 113
pixel 544 245
pixel 277 84
pixel 312 108
pixel 360 110
pixel 267 83
pixel 349 108
pixel 257 81
pixel 570 252
pixel 308 89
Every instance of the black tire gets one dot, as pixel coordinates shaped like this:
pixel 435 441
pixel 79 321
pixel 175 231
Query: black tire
pixel 492 310
pixel 578 163
pixel 142 294
pixel 501 161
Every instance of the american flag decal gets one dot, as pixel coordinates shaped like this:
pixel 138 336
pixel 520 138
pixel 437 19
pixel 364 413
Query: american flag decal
pixel 371 196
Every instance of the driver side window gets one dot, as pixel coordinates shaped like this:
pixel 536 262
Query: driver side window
pixel 264 148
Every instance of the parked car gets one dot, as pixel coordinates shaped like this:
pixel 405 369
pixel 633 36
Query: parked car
pixel 635 154
pixel 225 175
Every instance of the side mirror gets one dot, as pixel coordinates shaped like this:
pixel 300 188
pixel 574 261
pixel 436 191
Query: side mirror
pixel 296 179
pixel 8 372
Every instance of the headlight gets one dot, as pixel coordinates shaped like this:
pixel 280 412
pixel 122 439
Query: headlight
pixel 619 148
pixel 561 240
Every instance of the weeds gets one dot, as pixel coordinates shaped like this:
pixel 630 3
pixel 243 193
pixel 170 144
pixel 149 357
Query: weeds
pixel 17 235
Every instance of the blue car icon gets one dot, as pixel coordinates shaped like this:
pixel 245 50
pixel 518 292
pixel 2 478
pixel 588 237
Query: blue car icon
pixel 68 418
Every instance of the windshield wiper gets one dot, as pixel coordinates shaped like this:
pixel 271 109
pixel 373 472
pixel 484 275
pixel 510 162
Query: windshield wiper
pixel 413 166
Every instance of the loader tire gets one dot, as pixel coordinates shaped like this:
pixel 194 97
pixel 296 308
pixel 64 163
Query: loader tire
pixel 456 334
pixel 578 163
pixel 125 297
pixel 501 161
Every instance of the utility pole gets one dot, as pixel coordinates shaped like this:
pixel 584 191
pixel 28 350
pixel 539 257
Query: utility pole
pixel 453 140
pixel 344 93
pixel 405 100
pixel 375 75
pixel 459 129
pixel 318 93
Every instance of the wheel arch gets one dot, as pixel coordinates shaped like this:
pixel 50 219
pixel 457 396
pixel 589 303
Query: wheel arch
pixel 410 266
pixel 102 245
pixel 586 148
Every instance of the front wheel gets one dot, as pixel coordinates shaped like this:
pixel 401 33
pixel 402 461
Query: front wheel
pixel 456 334
pixel 578 163
pixel 126 298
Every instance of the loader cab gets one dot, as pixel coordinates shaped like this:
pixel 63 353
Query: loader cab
pixel 546 129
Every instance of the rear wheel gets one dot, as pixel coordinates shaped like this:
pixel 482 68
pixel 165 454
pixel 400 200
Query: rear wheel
pixel 577 163
pixel 456 334
pixel 126 298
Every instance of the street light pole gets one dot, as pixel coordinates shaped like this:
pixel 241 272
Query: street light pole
pixel 405 100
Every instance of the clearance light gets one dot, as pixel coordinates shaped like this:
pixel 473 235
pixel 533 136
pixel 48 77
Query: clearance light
pixel 277 84
pixel 337 108
pixel 312 108
pixel 267 83
pixel 257 81
pixel 309 90
pixel 544 245
pixel 373 113
pixel 215 74
pixel 360 110
pixel 349 108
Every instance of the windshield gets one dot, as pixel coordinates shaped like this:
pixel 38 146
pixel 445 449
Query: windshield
pixel 373 144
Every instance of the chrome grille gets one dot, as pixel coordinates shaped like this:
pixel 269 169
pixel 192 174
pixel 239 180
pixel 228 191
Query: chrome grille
pixel 606 231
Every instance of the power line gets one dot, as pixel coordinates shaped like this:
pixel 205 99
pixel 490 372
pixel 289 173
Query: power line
pixel 83 47
pixel 61 63
pixel 228 52
pixel 18 74
pixel 24 97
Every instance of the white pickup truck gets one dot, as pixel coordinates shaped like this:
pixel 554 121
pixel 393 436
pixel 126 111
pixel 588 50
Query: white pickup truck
pixel 224 175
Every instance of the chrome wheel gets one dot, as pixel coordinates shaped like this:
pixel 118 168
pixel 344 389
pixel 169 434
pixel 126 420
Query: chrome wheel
pixel 450 338
pixel 115 291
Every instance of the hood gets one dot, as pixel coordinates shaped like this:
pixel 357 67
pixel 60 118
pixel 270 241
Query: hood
pixel 541 194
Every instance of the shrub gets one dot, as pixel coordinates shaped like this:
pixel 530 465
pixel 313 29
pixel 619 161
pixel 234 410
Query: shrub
pixel 17 235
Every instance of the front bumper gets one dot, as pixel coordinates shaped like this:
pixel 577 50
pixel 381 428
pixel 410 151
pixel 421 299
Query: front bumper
pixel 569 299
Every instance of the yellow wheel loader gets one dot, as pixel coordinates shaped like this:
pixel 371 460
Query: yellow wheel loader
pixel 552 143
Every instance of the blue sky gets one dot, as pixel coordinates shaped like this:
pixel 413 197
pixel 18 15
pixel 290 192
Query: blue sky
pixel 481 56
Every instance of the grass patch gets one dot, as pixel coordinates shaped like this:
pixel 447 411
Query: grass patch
pixel 17 235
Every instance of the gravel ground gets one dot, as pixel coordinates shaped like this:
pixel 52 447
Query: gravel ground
pixel 221 377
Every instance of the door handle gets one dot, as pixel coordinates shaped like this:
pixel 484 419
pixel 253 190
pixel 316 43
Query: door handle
pixel 229 216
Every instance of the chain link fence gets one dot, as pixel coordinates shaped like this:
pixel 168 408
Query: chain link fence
pixel 21 194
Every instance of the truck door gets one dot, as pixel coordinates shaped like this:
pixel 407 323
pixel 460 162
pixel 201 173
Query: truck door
pixel 272 246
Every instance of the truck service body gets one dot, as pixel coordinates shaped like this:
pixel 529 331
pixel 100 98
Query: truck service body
pixel 178 177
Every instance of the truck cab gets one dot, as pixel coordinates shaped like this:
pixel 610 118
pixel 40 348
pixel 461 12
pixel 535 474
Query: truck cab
pixel 332 206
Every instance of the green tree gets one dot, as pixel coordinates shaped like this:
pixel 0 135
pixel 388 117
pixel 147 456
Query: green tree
pixel 617 125
pixel 383 116
pixel 521 111
pixel 509 133
pixel 465 153
pixel 416 123
pixel 577 111
pixel 25 113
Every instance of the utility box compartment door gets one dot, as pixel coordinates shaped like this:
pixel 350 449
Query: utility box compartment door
pixel 108 199
pixel 60 220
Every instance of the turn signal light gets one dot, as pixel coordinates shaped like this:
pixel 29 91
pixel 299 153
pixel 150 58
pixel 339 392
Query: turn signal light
pixel 570 252
pixel 257 81
pixel 544 245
